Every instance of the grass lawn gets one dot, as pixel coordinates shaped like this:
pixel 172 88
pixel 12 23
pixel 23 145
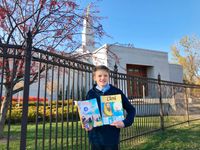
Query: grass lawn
pixel 182 137
pixel 73 138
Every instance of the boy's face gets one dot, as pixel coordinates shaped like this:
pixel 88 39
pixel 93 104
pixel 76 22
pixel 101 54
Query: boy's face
pixel 101 77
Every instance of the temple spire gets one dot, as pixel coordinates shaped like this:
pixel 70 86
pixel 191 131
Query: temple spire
pixel 87 33
pixel 88 10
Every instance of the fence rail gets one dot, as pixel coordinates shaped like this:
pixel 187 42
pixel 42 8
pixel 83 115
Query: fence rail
pixel 38 89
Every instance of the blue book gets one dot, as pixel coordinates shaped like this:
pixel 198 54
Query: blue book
pixel 89 113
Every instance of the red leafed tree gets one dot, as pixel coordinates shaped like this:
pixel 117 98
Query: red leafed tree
pixel 55 25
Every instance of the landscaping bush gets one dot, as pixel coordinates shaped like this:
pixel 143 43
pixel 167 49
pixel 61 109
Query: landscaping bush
pixel 66 112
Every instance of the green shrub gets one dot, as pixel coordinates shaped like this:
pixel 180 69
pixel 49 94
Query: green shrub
pixel 16 113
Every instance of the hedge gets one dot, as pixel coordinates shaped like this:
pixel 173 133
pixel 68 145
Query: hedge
pixel 66 112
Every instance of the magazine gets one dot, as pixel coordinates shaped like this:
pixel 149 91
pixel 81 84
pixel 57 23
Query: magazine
pixel 111 109
pixel 89 113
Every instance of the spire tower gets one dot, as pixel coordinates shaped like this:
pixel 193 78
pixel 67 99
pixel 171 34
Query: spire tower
pixel 87 33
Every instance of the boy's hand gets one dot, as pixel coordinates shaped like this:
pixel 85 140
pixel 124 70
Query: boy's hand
pixel 88 128
pixel 118 124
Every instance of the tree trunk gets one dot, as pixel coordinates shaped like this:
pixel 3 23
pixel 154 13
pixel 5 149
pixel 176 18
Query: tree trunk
pixel 3 112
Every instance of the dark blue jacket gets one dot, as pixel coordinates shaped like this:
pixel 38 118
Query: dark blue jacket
pixel 106 134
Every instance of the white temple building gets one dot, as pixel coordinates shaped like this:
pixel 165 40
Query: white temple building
pixel 131 60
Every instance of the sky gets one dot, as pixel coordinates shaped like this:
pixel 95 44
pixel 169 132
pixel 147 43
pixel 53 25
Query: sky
pixel 149 24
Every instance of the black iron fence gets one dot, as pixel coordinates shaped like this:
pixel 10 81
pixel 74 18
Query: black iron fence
pixel 38 89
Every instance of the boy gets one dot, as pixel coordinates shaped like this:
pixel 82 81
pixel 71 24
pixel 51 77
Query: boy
pixel 106 137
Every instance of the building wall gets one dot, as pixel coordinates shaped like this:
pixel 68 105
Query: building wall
pixel 100 56
pixel 156 62
pixel 176 73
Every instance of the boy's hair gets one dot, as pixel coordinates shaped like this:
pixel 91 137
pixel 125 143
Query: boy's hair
pixel 100 67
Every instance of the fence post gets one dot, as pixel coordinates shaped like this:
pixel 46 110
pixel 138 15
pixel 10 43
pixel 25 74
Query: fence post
pixel 115 83
pixel 115 75
pixel 24 121
pixel 186 105
pixel 161 104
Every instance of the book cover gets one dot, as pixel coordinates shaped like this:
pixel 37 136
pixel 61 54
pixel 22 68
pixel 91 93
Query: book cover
pixel 111 108
pixel 89 113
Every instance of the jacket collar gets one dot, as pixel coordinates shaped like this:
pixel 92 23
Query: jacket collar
pixel 98 90
pixel 104 89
